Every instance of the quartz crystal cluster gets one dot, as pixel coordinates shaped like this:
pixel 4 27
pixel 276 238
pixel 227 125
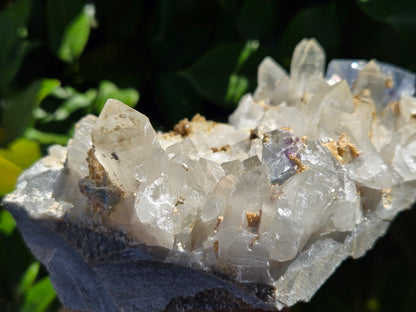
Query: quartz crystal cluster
pixel 309 170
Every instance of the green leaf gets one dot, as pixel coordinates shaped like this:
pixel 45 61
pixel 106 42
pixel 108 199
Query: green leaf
pixel 176 98
pixel 7 223
pixel 45 138
pixel 256 19
pixel 237 86
pixel 18 110
pixel 63 93
pixel 39 297
pixel 21 152
pixel 9 173
pixel 69 24
pixel 19 155
pixel 383 11
pixel 249 49
pixel 212 74
pixel 108 90
pixel 28 279
pixel 73 101
pixel 75 38
pixel 13 43
pixel 400 14
pixel 19 11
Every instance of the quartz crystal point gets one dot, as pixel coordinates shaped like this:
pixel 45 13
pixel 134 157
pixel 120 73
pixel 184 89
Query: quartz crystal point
pixel 399 81
pixel 254 214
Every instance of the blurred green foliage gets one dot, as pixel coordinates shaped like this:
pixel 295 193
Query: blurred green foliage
pixel 61 59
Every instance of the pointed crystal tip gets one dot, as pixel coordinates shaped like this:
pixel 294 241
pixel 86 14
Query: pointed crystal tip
pixel 398 80
pixel 308 60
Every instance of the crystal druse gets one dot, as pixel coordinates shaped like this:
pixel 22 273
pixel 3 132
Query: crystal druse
pixel 255 213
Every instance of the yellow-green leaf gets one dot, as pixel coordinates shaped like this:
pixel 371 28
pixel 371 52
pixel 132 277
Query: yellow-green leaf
pixel 39 297
pixel 7 223
pixel 9 173
pixel 19 155
pixel 75 38
pixel 28 278
pixel 22 152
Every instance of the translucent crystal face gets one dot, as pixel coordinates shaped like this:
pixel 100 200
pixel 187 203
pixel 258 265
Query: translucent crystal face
pixel 305 174
pixel 280 150
pixel 397 81
pixel 288 169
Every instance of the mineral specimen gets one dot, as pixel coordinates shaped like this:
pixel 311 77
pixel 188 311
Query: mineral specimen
pixel 254 214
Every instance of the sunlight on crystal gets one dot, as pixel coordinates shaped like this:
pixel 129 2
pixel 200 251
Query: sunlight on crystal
pixel 308 171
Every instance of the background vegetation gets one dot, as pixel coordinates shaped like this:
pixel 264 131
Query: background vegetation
pixel 61 59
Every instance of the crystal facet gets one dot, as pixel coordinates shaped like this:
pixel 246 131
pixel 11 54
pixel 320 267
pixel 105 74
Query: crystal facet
pixel 262 210
pixel 398 81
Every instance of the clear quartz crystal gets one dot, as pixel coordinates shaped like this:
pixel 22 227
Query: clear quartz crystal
pixel 280 148
pixel 308 60
pixel 399 81
pixel 305 174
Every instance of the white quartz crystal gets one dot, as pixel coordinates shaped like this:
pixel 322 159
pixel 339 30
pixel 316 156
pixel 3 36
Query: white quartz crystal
pixel 307 173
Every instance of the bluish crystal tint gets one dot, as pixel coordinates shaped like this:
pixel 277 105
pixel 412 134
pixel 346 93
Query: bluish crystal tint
pixel 344 69
pixel 279 146
pixel 403 80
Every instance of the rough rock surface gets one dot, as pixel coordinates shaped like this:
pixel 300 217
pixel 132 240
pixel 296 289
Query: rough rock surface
pixel 255 214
